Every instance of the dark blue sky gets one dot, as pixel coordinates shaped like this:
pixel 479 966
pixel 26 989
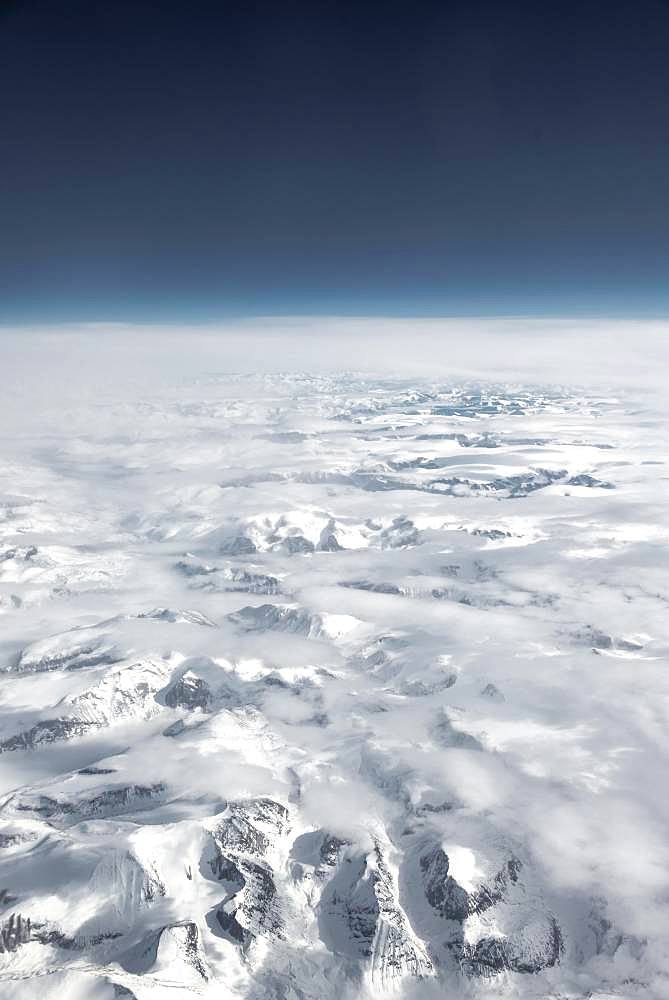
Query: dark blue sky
pixel 189 161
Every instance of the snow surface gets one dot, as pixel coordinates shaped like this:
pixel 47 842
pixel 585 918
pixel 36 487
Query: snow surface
pixel 335 686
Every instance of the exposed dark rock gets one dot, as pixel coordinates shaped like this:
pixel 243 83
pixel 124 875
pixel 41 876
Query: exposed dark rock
pixel 56 938
pixel 286 437
pixel 511 487
pixel 519 485
pixel 539 946
pixel 48 732
pixel 447 735
pixel 434 808
pixel 128 692
pixel 252 905
pixel 418 688
pixel 178 942
pixel 245 582
pixel 190 691
pixel 492 692
pixel 241 840
pixel 328 538
pixel 251 825
pixel 360 917
pixel 400 534
pixel 443 893
pixel 487 896
pixel 296 544
pixel 175 729
pixel 494 534
pixel 534 941
pixel 275 617
pixel 331 849
pixel 122 992
pixel 585 480
pixel 240 545
pixel 24 554
pixel 152 885
pixel 191 566
pixel 110 802
pixel 46 934
pixel 14 838
pixel 73 650
pixel 590 636
pixel 375 588
pixel 172 616
pixel 188 935
pixel 229 924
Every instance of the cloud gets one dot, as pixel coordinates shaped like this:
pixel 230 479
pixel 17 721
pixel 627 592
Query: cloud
pixel 495 682
pixel 581 351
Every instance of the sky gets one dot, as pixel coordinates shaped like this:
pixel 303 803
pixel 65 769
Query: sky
pixel 164 162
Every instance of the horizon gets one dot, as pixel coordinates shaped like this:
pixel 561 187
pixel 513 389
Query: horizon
pixel 583 351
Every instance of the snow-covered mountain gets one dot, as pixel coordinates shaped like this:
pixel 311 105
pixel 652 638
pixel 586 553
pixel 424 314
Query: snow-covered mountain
pixel 335 687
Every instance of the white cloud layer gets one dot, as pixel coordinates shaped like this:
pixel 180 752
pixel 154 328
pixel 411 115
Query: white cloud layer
pixel 577 350
pixel 328 685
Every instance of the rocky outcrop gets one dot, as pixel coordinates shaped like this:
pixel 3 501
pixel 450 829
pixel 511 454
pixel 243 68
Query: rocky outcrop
pixel 442 892
pixel 328 541
pixel 251 826
pixel 122 880
pixel 74 650
pixel 178 616
pixel 123 694
pixel 584 479
pixel 14 932
pixel 360 918
pixel 374 588
pixel 598 640
pixel 293 544
pixel 173 953
pixel 244 581
pixel 498 926
pixel 238 545
pixel 180 944
pixel 251 906
pixel 401 533
pixel 331 849
pixel 242 842
pixel 111 801
pixel 14 838
pixel 509 487
pixel 278 618
pixel 189 691
pixel 48 732
pixel 534 946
